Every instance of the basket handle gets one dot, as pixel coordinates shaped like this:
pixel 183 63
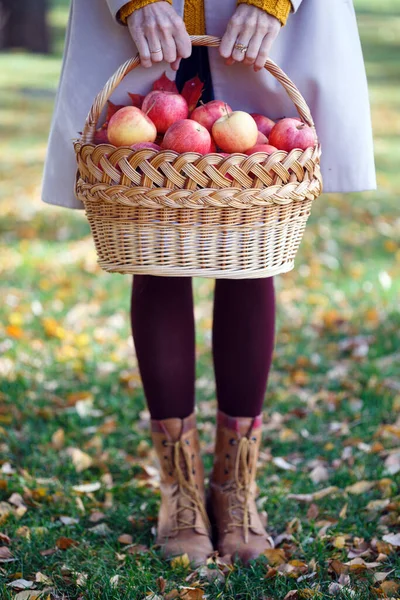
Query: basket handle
pixel 197 40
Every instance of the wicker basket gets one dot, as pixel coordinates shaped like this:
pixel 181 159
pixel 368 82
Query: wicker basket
pixel 163 213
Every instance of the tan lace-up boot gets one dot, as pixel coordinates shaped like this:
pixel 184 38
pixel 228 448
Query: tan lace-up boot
pixel 183 525
pixel 232 489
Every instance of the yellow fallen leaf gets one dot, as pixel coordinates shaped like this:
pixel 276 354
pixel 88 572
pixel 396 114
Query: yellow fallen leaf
pixel 81 460
pixel 275 556
pixel 339 541
pixel 390 587
pixel 360 487
pixel 58 439
pixel 180 561
pixel 343 511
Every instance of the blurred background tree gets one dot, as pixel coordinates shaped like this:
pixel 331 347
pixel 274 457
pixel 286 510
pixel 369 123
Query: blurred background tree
pixel 23 24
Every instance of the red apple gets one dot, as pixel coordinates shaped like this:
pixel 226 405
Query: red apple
pixel 261 138
pixel 261 148
pixel 207 114
pixel 145 145
pixel 165 108
pixel 235 132
pixel 289 134
pixel 130 125
pixel 264 124
pixel 187 136
pixel 213 147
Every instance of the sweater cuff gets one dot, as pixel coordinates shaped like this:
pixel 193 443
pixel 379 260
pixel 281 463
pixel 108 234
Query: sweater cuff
pixel 279 9
pixel 130 8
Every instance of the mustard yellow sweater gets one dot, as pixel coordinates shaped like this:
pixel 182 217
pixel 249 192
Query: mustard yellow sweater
pixel 194 11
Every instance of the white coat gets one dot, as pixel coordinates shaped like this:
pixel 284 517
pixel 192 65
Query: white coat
pixel 319 49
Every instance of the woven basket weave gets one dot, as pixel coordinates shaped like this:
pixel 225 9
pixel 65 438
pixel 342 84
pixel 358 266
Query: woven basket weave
pixel 163 213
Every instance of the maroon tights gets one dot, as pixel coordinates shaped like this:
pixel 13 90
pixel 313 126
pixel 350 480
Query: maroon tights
pixel 163 329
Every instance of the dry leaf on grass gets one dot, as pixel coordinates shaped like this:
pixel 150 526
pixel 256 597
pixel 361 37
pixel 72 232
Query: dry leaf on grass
pixel 63 543
pixel 21 584
pixel 360 487
pixel 392 538
pixel 81 460
pixel 102 529
pixel 319 474
pixel 328 491
pixel 281 463
pixel 180 561
pixel 125 538
pixel 87 488
pixel 275 556
pixel 5 555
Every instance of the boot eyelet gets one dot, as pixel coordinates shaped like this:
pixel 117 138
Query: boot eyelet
pixel 254 439
pixel 170 473
pixel 165 457
pixel 193 456
pixel 194 472
pixel 164 443
pixel 187 442
pixel 227 455
pixel 232 442
pixel 226 472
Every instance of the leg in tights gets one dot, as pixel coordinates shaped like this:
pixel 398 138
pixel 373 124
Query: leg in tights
pixel 163 330
pixel 243 342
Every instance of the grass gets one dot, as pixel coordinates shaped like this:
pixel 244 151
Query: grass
pixel 69 379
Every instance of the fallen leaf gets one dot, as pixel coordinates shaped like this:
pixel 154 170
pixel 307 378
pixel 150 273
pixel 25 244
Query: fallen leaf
pixel 81 460
pixel 87 488
pixel 5 555
pixel 21 584
pixel 339 541
pixel 376 505
pixel 96 516
pixel 389 587
pixel 58 439
pixel 280 462
pixel 68 520
pixel 275 556
pixel 125 538
pixel 180 561
pixel 361 487
pixel 319 474
pixel 63 543
pixel 101 529
pixel 392 538
pixel 42 578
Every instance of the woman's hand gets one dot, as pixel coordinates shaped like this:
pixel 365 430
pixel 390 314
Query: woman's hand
pixel 255 30
pixel 159 34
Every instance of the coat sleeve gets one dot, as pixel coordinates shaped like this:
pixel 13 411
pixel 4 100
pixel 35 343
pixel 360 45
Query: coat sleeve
pixel 296 4
pixel 115 6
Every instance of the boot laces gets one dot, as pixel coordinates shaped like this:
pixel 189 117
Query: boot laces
pixel 189 497
pixel 245 470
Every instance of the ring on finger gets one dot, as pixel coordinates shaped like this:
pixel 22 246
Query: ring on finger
pixel 241 47
pixel 155 51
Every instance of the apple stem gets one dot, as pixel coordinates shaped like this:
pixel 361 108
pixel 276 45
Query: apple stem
pixel 150 108
pixel 226 109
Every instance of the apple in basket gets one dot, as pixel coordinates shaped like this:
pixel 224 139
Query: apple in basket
pixel 145 146
pixel 264 124
pixel 288 134
pixel 261 138
pixel 130 125
pixel 165 108
pixel 235 132
pixel 187 136
pixel 207 114
pixel 261 148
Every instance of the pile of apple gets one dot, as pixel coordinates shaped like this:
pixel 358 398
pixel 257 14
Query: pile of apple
pixel 168 120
